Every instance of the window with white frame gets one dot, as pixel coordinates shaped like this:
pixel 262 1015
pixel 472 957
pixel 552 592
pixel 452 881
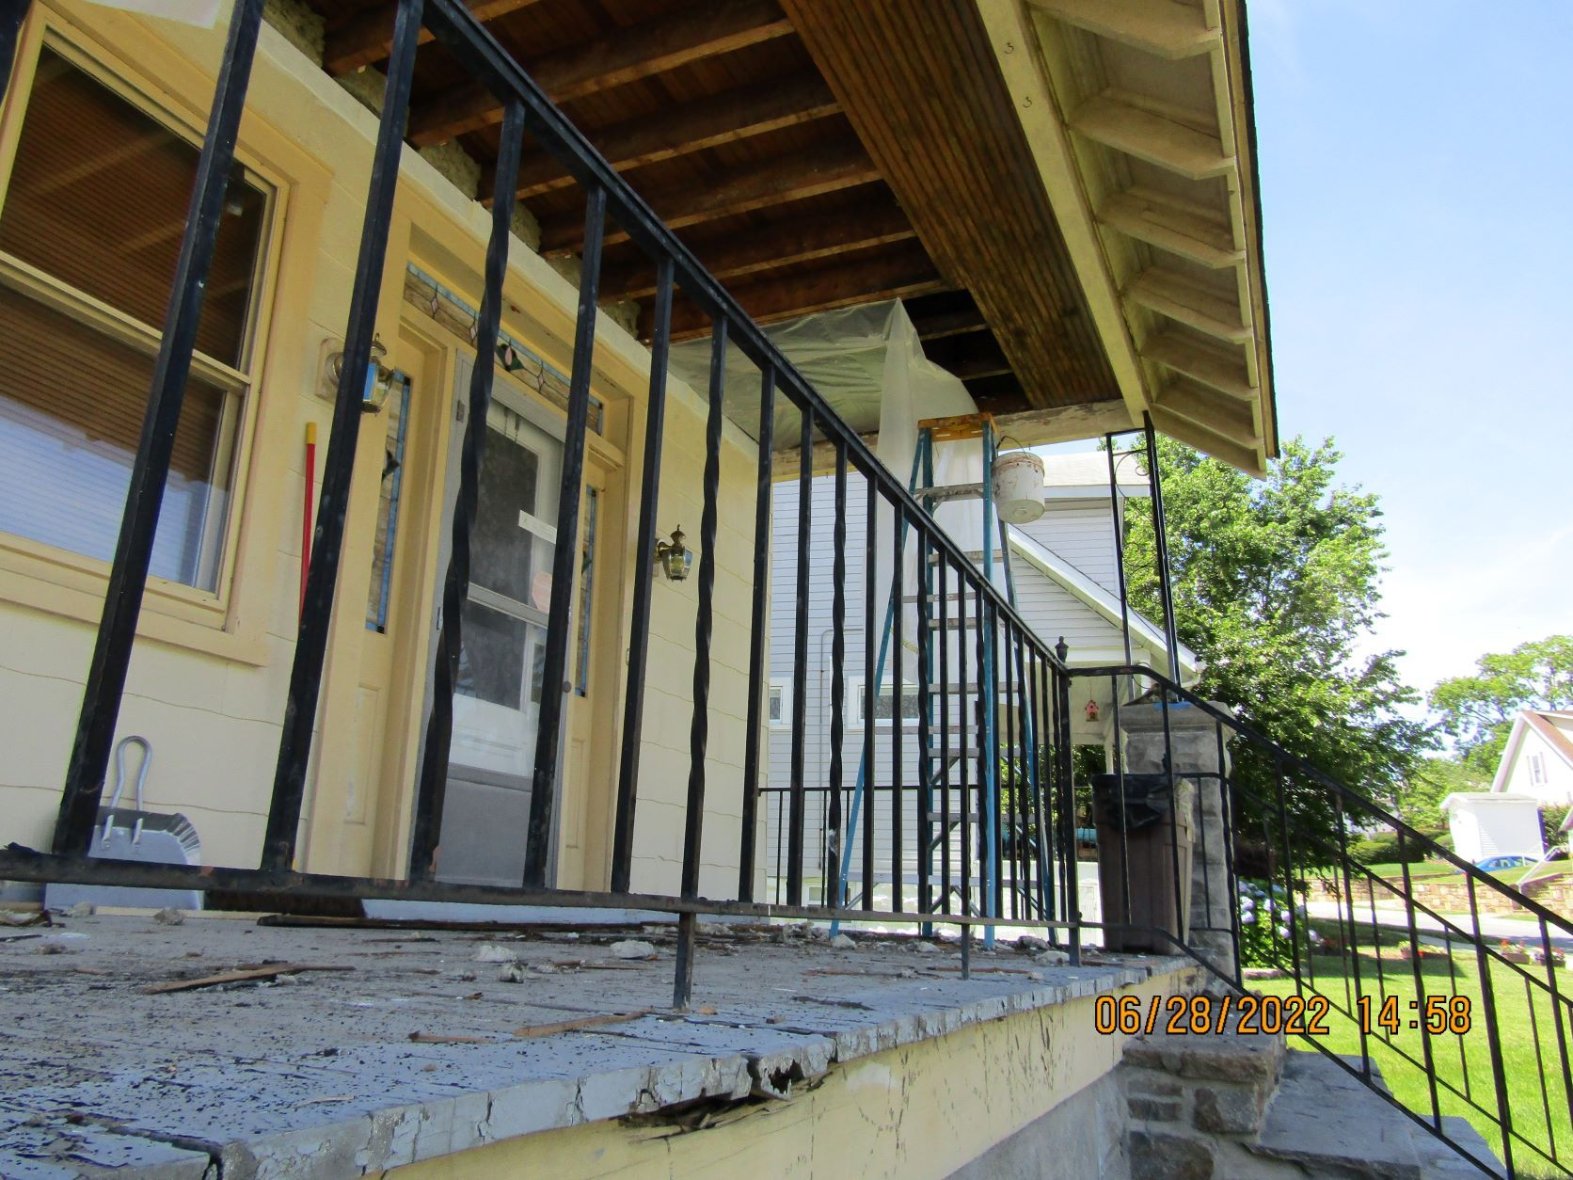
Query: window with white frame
pixel 884 703
pixel 91 223
pixel 1537 768
pixel 780 703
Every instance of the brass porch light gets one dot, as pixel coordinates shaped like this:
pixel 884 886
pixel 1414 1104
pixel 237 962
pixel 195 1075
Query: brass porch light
pixel 675 559
pixel 379 378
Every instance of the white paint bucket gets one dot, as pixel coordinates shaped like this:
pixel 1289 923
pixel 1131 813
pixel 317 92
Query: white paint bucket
pixel 1018 487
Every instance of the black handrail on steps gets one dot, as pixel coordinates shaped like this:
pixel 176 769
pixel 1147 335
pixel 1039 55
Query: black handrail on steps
pixel 1420 990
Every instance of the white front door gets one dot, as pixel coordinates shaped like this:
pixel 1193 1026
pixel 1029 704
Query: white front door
pixel 497 700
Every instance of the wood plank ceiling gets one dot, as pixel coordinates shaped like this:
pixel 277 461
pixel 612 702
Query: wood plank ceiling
pixel 808 165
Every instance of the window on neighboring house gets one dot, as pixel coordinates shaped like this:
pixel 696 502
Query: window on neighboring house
pixel 884 703
pixel 1537 768
pixel 780 703
pixel 90 230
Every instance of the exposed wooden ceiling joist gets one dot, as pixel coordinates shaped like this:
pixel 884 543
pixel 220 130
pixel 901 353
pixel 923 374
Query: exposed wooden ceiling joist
pixel 895 273
pixel 734 255
pixel 367 37
pixel 638 51
pixel 1211 410
pixel 793 177
pixel 1170 224
pixel 1222 369
pixel 1211 441
pixel 690 127
pixel 1172 31
pixel 1169 293
pixel 968 354
pixel 988 389
pixel 1164 139
pixel 951 314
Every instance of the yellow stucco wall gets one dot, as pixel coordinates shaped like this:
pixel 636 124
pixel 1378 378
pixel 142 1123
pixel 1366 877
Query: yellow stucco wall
pixel 209 673
pixel 921 1110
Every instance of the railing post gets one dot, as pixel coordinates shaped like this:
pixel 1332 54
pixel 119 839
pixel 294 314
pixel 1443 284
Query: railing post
pixel 898 706
pixel 757 637
pixel 1064 757
pixel 870 683
pixel 644 575
pixel 554 687
pixel 1119 548
pixel 838 656
pixel 1161 551
pixel 699 729
pixel 427 828
pixel 805 514
pixel 1493 1033
pixel 106 677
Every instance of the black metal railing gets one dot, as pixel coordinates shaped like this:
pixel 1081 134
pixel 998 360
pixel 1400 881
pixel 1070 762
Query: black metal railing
pixel 964 880
pixel 1439 979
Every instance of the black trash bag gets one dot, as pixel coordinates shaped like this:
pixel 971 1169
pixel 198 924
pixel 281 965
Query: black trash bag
pixel 1148 800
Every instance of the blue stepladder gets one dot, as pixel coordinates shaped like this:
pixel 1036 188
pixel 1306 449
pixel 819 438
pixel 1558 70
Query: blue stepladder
pixel 936 754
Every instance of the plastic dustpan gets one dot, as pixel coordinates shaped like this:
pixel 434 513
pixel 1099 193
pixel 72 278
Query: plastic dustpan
pixel 135 834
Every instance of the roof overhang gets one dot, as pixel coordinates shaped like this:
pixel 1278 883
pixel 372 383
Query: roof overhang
pixel 1138 115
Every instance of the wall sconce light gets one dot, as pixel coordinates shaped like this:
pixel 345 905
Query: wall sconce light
pixel 1092 710
pixel 379 378
pixel 675 559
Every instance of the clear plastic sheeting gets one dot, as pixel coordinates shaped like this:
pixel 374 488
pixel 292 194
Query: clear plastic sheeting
pixel 867 362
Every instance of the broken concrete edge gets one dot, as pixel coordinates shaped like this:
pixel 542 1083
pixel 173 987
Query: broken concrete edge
pixel 445 1124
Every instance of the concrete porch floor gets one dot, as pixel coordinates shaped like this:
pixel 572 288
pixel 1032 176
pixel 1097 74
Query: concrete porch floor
pixel 413 1047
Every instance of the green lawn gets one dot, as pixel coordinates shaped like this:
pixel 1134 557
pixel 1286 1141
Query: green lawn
pixel 1463 1063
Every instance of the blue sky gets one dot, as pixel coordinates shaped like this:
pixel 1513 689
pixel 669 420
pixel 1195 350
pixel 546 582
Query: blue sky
pixel 1417 182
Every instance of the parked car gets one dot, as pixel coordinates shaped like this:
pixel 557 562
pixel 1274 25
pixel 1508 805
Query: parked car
pixel 1495 864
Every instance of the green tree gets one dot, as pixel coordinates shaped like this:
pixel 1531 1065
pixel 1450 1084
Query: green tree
pixel 1477 711
pixel 1433 780
pixel 1276 586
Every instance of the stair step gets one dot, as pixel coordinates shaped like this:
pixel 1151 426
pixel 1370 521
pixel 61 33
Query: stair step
pixel 1438 1161
pixel 1326 1120
pixel 1223 1057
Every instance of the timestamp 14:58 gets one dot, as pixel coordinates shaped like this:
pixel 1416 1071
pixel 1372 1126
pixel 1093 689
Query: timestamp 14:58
pixel 1438 1015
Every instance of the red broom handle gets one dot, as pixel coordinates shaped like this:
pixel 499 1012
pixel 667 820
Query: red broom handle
pixel 305 516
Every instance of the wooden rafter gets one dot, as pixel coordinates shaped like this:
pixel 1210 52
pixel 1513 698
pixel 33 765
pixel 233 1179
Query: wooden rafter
pixel 968 355
pixel 366 38
pixel 938 317
pixel 793 177
pixel 1172 294
pixel 734 255
pixel 1172 31
pixel 639 51
pixel 691 127
pixel 1211 410
pixel 1162 137
pixel 1221 368
pixel 893 274
pixel 1169 224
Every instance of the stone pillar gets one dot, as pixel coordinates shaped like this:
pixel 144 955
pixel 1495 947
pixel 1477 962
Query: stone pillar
pixel 1193 740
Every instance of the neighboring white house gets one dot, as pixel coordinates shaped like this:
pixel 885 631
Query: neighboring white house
pixel 1066 585
pixel 1487 823
pixel 1538 759
pixel 1534 776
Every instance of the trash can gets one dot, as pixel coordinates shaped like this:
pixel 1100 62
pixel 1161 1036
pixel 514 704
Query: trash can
pixel 1142 833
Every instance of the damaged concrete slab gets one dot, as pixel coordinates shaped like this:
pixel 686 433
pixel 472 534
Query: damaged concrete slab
pixel 346 1051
